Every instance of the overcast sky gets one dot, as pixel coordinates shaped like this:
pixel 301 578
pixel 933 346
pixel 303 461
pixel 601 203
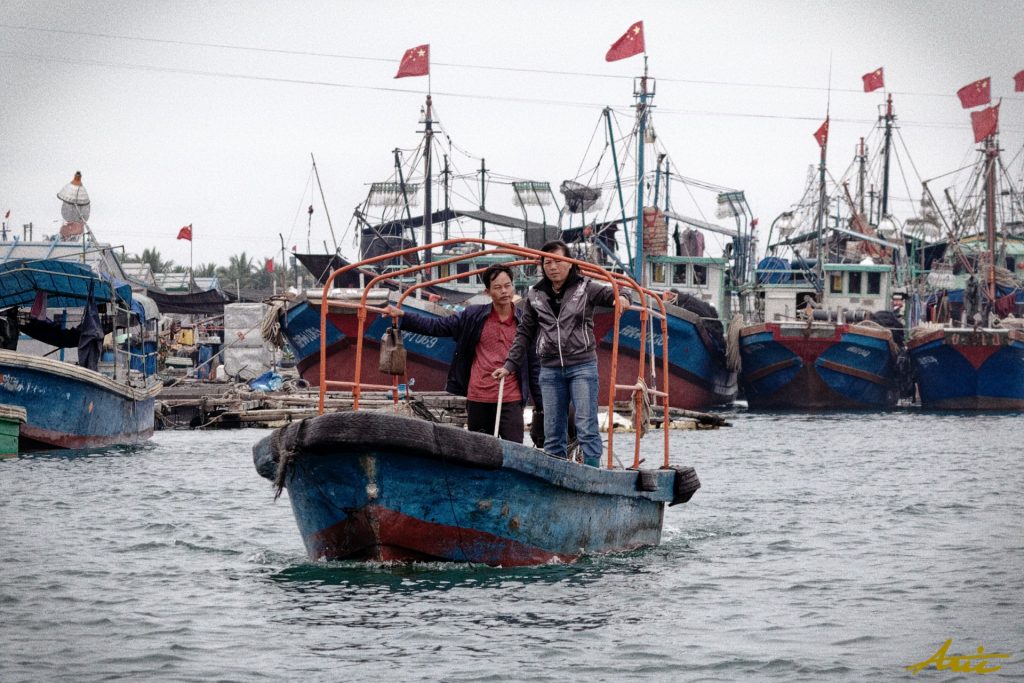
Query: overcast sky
pixel 207 112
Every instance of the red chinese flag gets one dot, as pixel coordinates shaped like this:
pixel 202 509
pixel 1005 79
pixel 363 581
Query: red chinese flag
pixel 185 233
pixel 1018 82
pixel 874 80
pixel 975 94
pixel 985 122
pixel 270 265
pixel 415 62
pixel 8 214
pixel 821 135
pixel 631 43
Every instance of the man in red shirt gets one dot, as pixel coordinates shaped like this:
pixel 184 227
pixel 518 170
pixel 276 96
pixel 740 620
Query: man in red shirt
pixel 483 335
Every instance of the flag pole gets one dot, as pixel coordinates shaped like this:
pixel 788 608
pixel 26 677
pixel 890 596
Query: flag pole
pixel 191 273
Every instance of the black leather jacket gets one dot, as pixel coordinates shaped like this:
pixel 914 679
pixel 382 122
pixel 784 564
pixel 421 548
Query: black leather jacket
pixel 566 338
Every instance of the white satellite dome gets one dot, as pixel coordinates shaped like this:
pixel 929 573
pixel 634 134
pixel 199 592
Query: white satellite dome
pixel 922 229
pixel 76 204
pixel 888 228
pixel 786 223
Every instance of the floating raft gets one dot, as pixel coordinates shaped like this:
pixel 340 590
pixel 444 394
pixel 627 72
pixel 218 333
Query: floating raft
pixel 215 406
pixel 211 406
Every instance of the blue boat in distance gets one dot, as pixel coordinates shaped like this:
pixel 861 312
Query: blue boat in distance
pixel 68 405
pixel 386 485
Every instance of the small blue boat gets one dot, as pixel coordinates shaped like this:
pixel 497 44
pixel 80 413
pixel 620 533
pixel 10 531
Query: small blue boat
pixel 378 485
pixel 371 485
pixel 70 405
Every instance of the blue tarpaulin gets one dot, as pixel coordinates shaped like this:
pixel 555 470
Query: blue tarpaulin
pixel 65 283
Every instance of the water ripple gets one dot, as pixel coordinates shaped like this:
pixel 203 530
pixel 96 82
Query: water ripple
pixel 793 562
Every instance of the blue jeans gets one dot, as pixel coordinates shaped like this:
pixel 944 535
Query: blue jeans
pixel 559 386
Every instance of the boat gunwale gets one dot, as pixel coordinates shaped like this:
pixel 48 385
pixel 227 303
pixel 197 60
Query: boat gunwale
pixel 67 370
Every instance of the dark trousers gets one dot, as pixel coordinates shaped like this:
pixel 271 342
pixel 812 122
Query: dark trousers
pixel 480 418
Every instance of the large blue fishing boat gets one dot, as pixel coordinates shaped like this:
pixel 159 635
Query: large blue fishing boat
pixel 968 349
pixel 824 335
pixel 381 485
pixel 71 404
pixel 967 368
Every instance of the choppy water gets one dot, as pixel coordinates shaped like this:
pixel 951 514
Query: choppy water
pixel 820 547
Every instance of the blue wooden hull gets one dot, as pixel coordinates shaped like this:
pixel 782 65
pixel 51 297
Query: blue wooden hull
pixel 394 503
pixel 71 407
pixel 699 378
pixel 823 366
pixel 966 369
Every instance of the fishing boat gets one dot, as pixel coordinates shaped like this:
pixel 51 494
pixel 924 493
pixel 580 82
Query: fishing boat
pixel 387 486
pixel 824 335
pixel 386 225
pixel 71 403
pixel 699 287
pixel 968 347
pixel 643 224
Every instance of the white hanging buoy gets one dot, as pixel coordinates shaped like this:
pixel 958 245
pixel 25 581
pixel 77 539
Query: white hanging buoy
pixel 76 206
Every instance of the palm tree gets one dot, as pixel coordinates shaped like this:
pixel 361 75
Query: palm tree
pixel 238 271
pixel 152 257
pixel 205 270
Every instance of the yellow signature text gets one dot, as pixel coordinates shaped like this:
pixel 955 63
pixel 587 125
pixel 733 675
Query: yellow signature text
pixel 967 664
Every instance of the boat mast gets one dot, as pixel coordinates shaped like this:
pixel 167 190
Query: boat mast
pixel 991 153
pixel 861 176
pixel 822 201
pixel 428 235
pixel 327 213
pixel 885 171
pixel 618 183
pixel 483 195
pixel 641 112
pixel 447 189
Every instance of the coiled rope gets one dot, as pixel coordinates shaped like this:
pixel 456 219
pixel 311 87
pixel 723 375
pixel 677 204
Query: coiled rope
pixel 270 327
pixel 733 360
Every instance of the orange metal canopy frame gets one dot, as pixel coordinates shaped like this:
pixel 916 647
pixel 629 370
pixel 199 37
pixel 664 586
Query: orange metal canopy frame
pixel 527 257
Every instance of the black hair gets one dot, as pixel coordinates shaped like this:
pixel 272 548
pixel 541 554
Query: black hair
pixel 549 247
pixel 493 271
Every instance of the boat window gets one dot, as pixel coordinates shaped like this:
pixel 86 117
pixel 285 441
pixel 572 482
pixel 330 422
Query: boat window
pixel 854 282
pixel 658 273
pixel 679 275
pixel 443 271
pixel 835 285
pixel 874 283
pixel 462 267
pixel 700 275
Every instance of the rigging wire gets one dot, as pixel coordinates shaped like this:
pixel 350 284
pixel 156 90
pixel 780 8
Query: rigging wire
pixel 302 201
pixel 488 98
pixel 383 60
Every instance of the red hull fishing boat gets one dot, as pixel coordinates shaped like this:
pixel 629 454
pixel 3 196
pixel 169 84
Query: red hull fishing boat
pixel 826 337
pixel 968 352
